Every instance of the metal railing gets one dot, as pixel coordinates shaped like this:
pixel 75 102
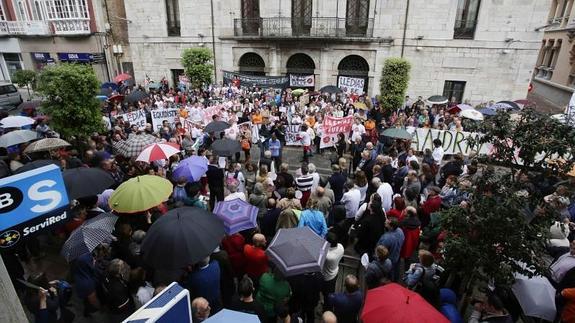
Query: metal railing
pixel 464 29
pixel 31 28
pixel 45 27
pixel 71 26
pixel 303 27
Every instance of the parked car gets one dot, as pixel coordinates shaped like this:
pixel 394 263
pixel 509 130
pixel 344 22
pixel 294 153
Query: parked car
pixel 9 95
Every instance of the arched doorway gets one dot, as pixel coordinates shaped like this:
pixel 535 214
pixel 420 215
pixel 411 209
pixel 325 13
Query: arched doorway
pixel 252 64
pixel 353 72
pixel 300 64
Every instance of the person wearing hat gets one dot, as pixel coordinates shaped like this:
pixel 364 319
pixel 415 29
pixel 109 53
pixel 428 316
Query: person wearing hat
pixel 431 204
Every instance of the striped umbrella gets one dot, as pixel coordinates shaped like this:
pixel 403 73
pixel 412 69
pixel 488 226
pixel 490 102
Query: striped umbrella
pixel 88 236
pixel 134 145
pixel 158 151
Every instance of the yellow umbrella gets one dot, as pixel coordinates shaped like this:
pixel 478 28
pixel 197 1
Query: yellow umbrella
pixel 140 194
pixel 360 105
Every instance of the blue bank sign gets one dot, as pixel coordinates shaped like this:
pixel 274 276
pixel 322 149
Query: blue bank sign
pixel 30 202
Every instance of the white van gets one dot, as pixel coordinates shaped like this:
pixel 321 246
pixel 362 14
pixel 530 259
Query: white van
pixel 9 95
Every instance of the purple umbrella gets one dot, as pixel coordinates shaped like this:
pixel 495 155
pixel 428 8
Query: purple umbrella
pixel 237 215
pixel 191 168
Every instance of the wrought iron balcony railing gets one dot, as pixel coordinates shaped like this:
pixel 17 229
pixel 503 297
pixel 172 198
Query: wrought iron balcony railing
pixel 303 27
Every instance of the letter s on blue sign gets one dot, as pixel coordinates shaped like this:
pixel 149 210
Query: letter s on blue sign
pixel 35 194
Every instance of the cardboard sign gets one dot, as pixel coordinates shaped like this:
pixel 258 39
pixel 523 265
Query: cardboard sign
pixel 170 115
pixel 291 135
pixel 351 85
pixel 137 118
pixel 31 202
pixel 332 127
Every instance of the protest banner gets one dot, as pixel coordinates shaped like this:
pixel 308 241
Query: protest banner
pixel 453 142
pixel 170 115
pixel 259 81
pixel 301 80
pixel 137 118
pixel 209 112
pixel 332 127
pixel 351 85
pixel 291 135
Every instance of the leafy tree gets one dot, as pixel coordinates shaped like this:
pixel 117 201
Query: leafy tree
pixel 24 78
pixel 71 104
pixel 394 82
pixel 197 65
pixel 503 228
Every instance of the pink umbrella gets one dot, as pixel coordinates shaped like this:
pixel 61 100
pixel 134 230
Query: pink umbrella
pixel 158 151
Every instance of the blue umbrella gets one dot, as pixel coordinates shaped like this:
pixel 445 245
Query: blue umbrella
pixel 487 111
pixel 111 85
pixel 237 215
pixel 101 97
pixel 191 168
pixel 226 316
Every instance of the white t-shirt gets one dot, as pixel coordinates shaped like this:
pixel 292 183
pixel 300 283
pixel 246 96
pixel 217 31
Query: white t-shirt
pixel 438 155
pixel 351 200
pixel 331 265
pixel 386 193
pixel 358 131
pixel 236 195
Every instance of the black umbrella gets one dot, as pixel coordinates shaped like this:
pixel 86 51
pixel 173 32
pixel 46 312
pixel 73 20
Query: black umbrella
pixel 136 96
pixel 217 126
pixel 35 164
pixel 182 237
pixel 330 89
pixel 84 182
pixel 106 91
pixel 437 99
pixel 226 147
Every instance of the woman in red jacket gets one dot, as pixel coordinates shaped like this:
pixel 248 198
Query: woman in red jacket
pixel 411 227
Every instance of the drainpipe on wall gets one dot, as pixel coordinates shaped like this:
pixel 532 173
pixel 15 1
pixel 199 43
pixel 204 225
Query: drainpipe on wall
pixel 214 43
pixel 405 28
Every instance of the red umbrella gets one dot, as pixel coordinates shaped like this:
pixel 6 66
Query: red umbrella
pixel 122 77
pixel 117 97
pixel 158 151
pixel 393 303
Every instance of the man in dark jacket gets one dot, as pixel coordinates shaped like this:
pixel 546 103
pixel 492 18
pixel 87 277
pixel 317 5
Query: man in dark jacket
pixel 336 183
pixel 346 305
pixel 215 181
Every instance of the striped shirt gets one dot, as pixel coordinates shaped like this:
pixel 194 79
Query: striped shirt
pixel 304 182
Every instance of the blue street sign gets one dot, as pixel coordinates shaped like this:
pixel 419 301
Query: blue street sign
pixel 171 305
pixel 76 57
pixel 26 196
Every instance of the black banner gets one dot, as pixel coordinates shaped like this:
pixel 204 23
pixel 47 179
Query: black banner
pixel 258 81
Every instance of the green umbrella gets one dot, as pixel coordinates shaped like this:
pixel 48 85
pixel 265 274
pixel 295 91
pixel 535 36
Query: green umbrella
pixel 298 92
pixel 140 194
pixel 398 133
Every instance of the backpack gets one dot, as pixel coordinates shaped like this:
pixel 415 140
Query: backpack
pixel 428 288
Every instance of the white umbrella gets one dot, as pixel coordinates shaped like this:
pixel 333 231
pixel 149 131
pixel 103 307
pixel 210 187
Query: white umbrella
pixel 17 137
pixel 16 122
pixel 472 114
pixel 46 144
pixel 536 296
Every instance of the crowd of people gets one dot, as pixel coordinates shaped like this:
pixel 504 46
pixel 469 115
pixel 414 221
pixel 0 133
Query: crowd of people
pixel 381 201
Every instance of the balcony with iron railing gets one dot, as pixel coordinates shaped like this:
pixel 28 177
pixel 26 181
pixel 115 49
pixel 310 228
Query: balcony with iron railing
pixel 303 28
pixel 63 27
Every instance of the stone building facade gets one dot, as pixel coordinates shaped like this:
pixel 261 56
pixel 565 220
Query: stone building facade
pixel 554 75
pixel 478 50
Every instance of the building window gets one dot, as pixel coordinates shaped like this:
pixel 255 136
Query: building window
pixel 300 64
pixel 353 65
pixel 356 17
pixel 454 90
pixel 466 19
pixel 556 51
pixel 301 12
pixel 20 8
pixel 253 64
pixel 250 17
pixel 60 9
pixel 173 14
pixel 2 14
pixel 37 10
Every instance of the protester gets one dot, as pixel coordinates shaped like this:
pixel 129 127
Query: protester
pixel 346 305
